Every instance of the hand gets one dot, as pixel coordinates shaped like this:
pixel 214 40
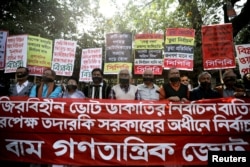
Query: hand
pixel 174 98
pixel 239 94
pixel 184 99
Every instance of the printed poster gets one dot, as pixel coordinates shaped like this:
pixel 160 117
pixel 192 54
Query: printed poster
pixel 148 53
pixel 218 47
pixel 16 53
pixel 91 58
pixel 243 56
pixel 39 54
pixel 179 48
pixel 64 57
pixel 118 52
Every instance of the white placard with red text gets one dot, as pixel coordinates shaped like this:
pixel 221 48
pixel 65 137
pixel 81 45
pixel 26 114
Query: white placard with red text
pixel 243 55
pixel 16 52
pixel 64 57
pixel 91 58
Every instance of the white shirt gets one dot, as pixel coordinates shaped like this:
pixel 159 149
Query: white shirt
pixel 100 91
pixel 19 87
pixel 146 93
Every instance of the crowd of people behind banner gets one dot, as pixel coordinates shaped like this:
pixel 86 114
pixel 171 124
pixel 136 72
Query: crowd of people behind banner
pixel 178 88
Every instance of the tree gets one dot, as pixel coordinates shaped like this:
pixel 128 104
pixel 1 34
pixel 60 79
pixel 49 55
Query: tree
pixel 45 18
pixel 61 19
pixel 242 20
pixel 52 20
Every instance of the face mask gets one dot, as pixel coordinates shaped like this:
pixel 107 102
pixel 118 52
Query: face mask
pixel 97 79
pixel 21 75
pixel 205 84
pixel 175 79
pixel 148 79
pixel 230 82
pixel 47 79
pixel 123 81
pixel 71 87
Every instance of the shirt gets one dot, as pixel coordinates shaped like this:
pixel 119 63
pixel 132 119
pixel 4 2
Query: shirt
pixel 54 94
pixel 146 93
pixel 129 93
pixel 19 87
pixel 76 94
pixel 228 93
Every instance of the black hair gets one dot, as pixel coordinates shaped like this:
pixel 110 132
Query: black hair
pixel 73 78
pixel 97 69
pixel 26 69
pixel 53 73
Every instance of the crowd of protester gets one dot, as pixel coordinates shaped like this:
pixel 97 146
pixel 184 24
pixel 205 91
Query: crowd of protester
pixel 177 88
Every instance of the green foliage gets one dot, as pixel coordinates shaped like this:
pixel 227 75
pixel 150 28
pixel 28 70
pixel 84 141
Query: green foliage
pixel 54 19
pixel 243 37
pixel 44 18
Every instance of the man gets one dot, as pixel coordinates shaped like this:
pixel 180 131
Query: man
pixel 124 90
pixel 98 89
pixel 23 86
pixel 174 90
pixel 71 89
pixel 230 89
pixel 47 88
pixel 186 81
pixel 148 90
pixel 204 90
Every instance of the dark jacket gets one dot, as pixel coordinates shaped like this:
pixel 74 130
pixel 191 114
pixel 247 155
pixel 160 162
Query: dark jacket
pixel 105 90
pixel 200 93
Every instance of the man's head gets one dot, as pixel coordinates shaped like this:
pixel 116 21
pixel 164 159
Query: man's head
pixel 148 76
pixel 124 77
pixel 229 78
pixel 174 75
pixel 205 80
pixel 22 74
pixel 48 75
pixel 97 76
pixel 72 84
pixel 184 80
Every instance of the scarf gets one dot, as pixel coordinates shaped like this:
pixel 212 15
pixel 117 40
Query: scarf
pixel 49 90
pixel 97 92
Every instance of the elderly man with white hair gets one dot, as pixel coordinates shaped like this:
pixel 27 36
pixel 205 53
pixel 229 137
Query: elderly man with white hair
pixel 124 90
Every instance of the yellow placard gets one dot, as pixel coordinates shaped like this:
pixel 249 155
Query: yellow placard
pixel 179 40
pixel 148 44
pixel 39 51
pixel 114 68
